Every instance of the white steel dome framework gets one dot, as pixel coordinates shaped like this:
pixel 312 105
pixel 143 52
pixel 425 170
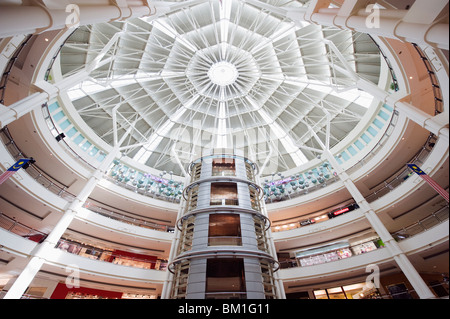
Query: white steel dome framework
pixel 326 105
pixel 220 74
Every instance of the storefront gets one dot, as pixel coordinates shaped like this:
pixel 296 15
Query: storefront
pixel 324 254
pixel 337 251
pixel 355 291
pixel 62 291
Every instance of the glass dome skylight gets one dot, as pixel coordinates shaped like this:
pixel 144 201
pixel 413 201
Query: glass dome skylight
pixel 219 74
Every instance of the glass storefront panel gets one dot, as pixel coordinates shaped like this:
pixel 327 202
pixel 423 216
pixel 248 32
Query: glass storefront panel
pixel 336 293
pixel 355 291
pixel 320 294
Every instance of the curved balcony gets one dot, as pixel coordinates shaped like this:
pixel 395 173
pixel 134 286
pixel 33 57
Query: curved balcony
pixel 58 195
pixel 91 155
pixel 382 189
pixel 324 267
pixel 21 240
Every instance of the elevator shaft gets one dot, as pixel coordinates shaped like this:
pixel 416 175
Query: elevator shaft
pixel 223 251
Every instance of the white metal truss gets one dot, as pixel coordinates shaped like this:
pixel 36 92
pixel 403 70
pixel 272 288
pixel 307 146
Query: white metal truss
pixel 223 73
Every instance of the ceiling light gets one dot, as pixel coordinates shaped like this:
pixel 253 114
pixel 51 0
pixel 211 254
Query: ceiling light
pixel 223 73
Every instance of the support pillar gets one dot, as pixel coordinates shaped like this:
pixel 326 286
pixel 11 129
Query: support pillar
pixel 224 249
pixel 395 251
pixel 42 251
pixel 47 91
pixel 436 124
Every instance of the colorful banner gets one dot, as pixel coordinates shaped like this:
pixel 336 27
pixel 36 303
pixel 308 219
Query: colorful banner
pixel 18 165
pixel 416 169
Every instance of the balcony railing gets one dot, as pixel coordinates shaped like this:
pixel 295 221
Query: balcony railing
pixel 60 190
pixel 420 226
pixel 73 247
pixel 223 201
pixel 226 295
pixel 225 241
pixel 381 190
pixel 13 226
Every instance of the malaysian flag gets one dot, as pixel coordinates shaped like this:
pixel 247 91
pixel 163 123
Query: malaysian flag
pixel 429 180
pixel 18 165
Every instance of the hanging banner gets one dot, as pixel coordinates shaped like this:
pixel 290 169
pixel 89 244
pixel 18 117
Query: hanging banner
pixel 18 165
pixel 429 180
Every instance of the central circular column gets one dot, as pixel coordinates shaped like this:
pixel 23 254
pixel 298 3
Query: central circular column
pixel 223 250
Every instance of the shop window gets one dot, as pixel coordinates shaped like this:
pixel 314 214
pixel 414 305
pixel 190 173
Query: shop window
pixel 225 278
pixel 320 294
pixel 336 293
pixel 361 291
pixel 399 291
pixel 297 295
pixel 223 167
pixel 355 291
pixel 224 229
pixel 224 194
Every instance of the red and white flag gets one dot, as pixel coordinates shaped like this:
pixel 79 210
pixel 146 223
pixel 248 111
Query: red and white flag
pixel 18 165
pixel 5 176
pixel 430 181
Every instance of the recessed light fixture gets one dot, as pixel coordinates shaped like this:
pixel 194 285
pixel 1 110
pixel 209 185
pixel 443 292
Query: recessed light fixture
pixel 223 73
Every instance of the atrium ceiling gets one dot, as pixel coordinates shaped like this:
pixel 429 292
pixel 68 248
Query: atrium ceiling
pixel 219 74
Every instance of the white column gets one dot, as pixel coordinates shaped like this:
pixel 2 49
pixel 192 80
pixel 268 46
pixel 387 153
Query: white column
pixel 42 251
pixel 396 252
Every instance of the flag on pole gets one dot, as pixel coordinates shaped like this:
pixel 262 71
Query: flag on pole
pixel 429 180
pixel 18 165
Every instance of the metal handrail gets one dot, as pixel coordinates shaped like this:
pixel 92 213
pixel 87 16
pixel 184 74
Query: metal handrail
pixel 15 227
pixel 127 219
pixel 333 178
pixel 60 189
pixel 394 181
pixel 7 71
pixel 107 254
pixel 416 228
